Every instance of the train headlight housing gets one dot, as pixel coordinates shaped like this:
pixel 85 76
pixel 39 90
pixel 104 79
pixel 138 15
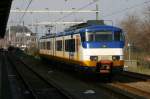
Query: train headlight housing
pixel 115 57
pixel 94 58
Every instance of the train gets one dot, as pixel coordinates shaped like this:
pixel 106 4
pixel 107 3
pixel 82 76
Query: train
pixel 90 47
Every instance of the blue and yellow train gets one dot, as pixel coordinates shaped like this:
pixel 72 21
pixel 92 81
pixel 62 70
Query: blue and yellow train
pixel 89 47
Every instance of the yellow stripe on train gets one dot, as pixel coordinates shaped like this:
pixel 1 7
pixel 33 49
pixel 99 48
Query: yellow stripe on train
pixel 81 63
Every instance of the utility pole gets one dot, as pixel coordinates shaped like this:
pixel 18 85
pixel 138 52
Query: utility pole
pixel 23 34
pixel 36 27
pixel 32 22
pixel 129 46
pixel 97 13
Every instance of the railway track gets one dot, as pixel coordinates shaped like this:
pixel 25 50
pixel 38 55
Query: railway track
pixel 110 93
pixel 126 85
pixel 37 87
pixel 138 84
pixel 5 85
pixel 137 75
pixel 128 88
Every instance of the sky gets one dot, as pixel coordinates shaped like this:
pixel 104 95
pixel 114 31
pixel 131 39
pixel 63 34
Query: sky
pixel 113 10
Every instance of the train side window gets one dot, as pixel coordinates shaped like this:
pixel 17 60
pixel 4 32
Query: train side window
pixel 48 45
pixel 70 45
pixel 66 45
pixel 40 45
pixel 43 45
pixel 59 45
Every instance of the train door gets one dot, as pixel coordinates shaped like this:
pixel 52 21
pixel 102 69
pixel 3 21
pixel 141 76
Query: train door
pixel 53 46
pixel 63 46
pixel 71 43
pixel 77 46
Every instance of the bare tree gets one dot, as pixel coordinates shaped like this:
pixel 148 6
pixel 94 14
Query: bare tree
pixel 138 34
pixel 131 27
pixel 138 31
pixel 145 27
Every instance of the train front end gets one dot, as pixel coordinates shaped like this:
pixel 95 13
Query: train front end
pixel 102 49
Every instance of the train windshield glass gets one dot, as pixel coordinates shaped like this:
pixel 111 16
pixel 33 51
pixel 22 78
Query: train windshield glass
pixel 118 36
pixel 99 36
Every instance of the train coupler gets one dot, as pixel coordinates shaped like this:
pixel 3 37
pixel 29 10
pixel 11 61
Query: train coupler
pixel 104 66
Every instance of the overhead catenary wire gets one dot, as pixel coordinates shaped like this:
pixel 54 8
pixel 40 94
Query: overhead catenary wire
pixel 24 3
pixel 107 15
pixel 128 8
pixel 56 11
pixel 26 10
pixel 111 14
pixel 76 10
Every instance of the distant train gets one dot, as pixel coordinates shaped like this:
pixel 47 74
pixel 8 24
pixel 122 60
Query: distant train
pixel 89 47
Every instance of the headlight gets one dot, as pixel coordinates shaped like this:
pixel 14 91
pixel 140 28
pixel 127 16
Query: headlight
pixel 115 57
pixel 94 58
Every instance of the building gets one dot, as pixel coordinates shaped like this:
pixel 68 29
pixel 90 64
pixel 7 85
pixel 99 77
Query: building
pixel 21 36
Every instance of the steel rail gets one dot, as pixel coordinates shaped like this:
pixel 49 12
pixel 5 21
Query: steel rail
pixel 137 75
pixel 60 90
pixel 123 94
pixel 6 90
pixel 118 88
pixel 32 94
pixel 131 89
pixel 128 87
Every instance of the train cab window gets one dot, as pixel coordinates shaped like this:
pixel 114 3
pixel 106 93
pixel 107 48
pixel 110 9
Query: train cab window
pixel 59 45
pixel 118 36
pixel 91 37
pixel 99 36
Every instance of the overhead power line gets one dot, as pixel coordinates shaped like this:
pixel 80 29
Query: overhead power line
pixel 53 23
pixel 56 11
pixel 26 10
pixel 77 10
pixel 121 11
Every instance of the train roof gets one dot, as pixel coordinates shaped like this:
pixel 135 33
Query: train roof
pixel 95 28
pixel 84 27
